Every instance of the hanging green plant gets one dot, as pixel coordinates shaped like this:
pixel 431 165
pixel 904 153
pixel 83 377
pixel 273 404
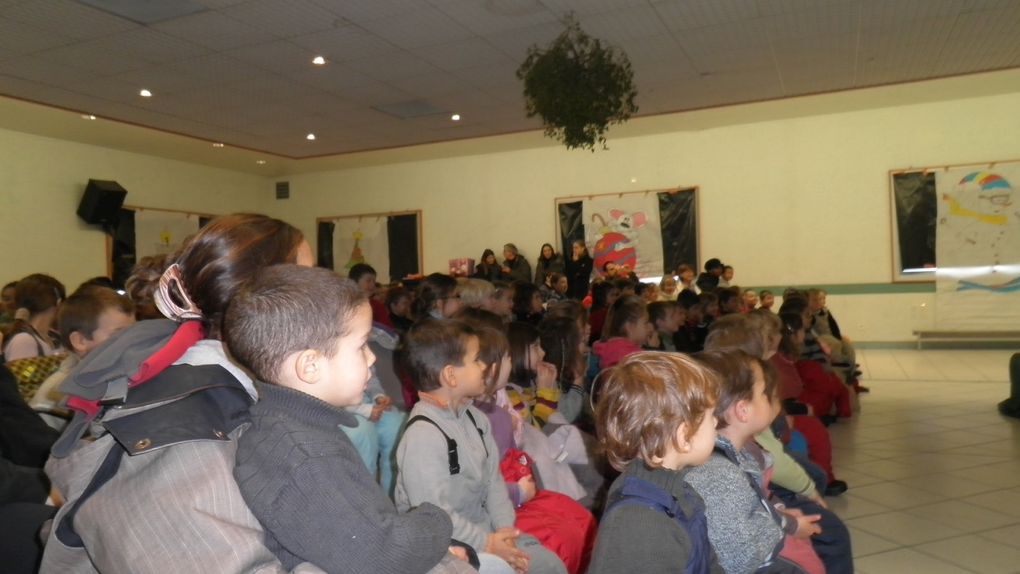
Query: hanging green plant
pixel 578 86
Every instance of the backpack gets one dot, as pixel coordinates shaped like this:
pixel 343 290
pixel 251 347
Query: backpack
pixel 640 492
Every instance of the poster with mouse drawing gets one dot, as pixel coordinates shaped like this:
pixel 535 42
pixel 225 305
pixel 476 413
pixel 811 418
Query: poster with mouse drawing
pixel 623 230
pixel 977 247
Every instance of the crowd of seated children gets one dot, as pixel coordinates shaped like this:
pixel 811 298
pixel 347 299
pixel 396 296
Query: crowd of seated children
pixel 496 446
pixel 806 381
pixel 798 480
pixel 666 318
pixel 656 422
pixel 304 332
pixel 748 530
pixel 527 306
pixel 90 316
pixel 554 289
pixel 626 330
pixel 603 295
pixel 398 305
pixel 557 521
pixel 448 457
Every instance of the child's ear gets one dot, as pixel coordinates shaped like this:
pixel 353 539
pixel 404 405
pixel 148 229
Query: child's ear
pixel 448 376
pixel 79 342
pixel 742 411
pixel 681 438
pixel 308 367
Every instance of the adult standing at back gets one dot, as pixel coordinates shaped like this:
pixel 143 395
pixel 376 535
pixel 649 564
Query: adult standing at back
pixel 549 262
pixel 579 271
pixel 515 266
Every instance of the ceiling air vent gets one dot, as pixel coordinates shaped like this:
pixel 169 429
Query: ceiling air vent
pixel 283 190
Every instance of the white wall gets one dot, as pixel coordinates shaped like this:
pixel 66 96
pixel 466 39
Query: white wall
pixel 800 201
pixel 42 180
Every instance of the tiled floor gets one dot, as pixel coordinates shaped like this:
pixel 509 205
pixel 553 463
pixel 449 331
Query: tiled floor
pixel 934 470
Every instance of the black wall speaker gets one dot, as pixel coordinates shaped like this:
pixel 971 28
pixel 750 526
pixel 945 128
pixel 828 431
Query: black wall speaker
pixel 102 202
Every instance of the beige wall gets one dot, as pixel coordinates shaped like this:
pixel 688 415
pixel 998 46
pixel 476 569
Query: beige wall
pixel 791 191
pixel 800 200
pixel 42 181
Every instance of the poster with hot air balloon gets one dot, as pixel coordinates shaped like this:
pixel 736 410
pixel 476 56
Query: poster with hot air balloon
pixel 978 247
pixel 624 230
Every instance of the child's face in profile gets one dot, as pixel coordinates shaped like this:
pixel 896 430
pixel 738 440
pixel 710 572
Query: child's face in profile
pixel 669 286
pixel 760 405
pixel 469 375
pixel 702 443
pixel 767 301
pixel 110 322
pixel 639 331
pixel 347 372
pixel 750 299
pixel 367 284
pixel 536 354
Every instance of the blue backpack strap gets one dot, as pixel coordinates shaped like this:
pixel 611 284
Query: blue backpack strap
pixel 451 445
pixel 640 492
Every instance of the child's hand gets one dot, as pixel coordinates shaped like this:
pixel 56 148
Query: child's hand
pixel 818 499
pixel 503 543
pixel 806 523
pixel 459 553
pixel 546 376
pixel 528 488
pixel 382 403
pixel 653 341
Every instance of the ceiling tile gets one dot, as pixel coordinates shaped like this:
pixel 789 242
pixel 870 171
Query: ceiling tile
pixel 94 59
pixel 19 39
pixel 280 56
pixel 150 45
pixel 587 7
pixel 484 18
pixel 418 27
pixel 44 71
pixel 283 19
pixel 695 14
pixel 619 26
pixel 470 53
pixel 396 65
pixel 344 43
pixel 214 31
pixel 67 18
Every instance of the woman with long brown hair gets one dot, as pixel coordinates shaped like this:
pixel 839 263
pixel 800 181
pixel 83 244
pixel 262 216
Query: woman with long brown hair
pixel 152 489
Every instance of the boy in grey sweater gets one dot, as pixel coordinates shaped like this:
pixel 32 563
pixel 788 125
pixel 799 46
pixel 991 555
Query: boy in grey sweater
pixel 303 331
pixel 448 457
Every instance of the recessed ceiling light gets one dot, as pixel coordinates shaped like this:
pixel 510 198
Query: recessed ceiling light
pixel 633 180
pixel 217 144
pixel 88 117
pixel 145 93
pixel 319 61
pixel 455 117
pixel 310 137
pixel 260 161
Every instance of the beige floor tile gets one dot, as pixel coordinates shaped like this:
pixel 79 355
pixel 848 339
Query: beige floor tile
pixel 977 554
pixel 1009 535
pixel 865 543
pixel 946 486
pixel 849 506
pixel 961 515
pixel 1005 501
pixel 902 528
pixel 1003 475
pixel 857 479
pixel 905 561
